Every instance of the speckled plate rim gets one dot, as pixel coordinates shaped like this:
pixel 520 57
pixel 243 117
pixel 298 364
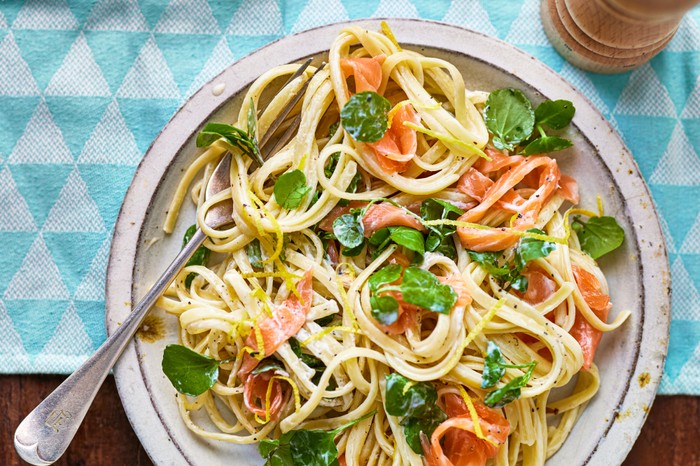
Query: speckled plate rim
pixel 617 439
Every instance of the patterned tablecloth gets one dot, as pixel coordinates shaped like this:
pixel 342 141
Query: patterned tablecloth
pixel 85 86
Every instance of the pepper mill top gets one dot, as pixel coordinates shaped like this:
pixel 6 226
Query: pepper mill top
pixel 611 36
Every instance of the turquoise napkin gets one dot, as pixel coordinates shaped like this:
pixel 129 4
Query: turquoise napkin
pixel 85 86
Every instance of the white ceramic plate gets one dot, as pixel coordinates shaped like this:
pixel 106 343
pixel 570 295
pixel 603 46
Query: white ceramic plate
pixel 630 359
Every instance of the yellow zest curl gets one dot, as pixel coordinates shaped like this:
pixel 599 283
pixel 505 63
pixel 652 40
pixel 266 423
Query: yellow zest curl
pixel 475 417
pixel 478 226
pixel 448 139
pixel 327 330
pixel 478 328
pixel 390 35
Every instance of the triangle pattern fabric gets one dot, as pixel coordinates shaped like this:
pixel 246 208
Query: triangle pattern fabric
pixel 116 15
pixel 471 15
pixel 687 39
pixel 3 23
pixel 692 105
pixel 15 76
pixel 220 59
pixel 680 164
pixel 257 18
pixel 79 75
pixel 580 80
pixel 691 243
pixel 92 286
pixel 70 336
pixel 670 244
pixel 45 14
pixel 525 30
pixel 12 352
pixel 320 12
pixel 681 349
pixel 149 77
pixel 38 277
pixel 42 141
pixel 188 17
pixel 74 210
pixel 645 95
pixel 111 142
pixel 14 212
pixel 395 9
pixel 685 296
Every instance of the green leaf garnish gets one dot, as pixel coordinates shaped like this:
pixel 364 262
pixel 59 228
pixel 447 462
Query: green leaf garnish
pixel 416 402
pixel 511 391
pixel 349 231
pixel 436 241
pixel 599 236
pixel 383 276
pixel 530 248
pixel 268 364
pixel 407 398
pixel 495 366
pixel 200 256
pixel 509 117
pixel 254 254
pixel 409 238
pixel 364 116
pixel 305 447
pixel 385 309
pixel 290 189
pixel 238 138
pixel 423 289
pixel 190 373
pixel 546 144
pixel 556 114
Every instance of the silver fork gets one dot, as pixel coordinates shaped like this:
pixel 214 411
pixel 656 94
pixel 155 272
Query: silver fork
pixel 44 435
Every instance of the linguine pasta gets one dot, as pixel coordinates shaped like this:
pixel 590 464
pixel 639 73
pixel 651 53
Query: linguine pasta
pixel 305 338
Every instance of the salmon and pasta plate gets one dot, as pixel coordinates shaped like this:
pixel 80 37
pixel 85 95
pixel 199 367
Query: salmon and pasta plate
pixel 406 278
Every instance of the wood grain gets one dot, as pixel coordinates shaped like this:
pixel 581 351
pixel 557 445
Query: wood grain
pixel 671 435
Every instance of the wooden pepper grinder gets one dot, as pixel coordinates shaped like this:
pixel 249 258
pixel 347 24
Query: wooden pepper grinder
pixel 611 36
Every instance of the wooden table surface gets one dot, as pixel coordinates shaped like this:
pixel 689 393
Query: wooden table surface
pixel 671 435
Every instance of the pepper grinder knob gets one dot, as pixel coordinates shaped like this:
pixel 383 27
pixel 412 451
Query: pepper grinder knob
pixel 611 36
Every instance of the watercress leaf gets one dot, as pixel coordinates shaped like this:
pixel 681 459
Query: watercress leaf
pixel 308 359
pixel 405 397
pixel 556 114
pixel 493 366
pixel 331 164
pixel 252 121
pixel 410 238
pixel 364 116
pixel 348 230
pixel 313 448
pixel 489 261
pixel 333 128
pixel 324 321
pixel 530 249
pixel 254 254
pixel 296 346
pixel 352 252
pixel 447 249
pixel 277 452
pixel 385 309
pixel 268 364
pixel 545 144
pixel 380 239
pixel 509 117
pixel 599 236
pixel 387 274
pixel 423 289
pixel 520 283
pixel 212 132
pixel 509 392
pixel 437 209
pixel 200 256
pixel 413 426
pixel 290 189
pixel 190 373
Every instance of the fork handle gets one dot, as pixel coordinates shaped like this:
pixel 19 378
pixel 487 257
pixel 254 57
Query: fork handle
pixel 44 435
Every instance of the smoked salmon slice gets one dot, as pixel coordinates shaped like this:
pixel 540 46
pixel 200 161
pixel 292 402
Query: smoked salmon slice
pixel 377 217
pixel 366 71
pixel 461 445
pixel 586 335
pixel 398 146
pixel 285 322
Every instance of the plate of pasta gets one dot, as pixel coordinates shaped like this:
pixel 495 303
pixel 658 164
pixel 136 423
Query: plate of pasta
pixel 449 258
